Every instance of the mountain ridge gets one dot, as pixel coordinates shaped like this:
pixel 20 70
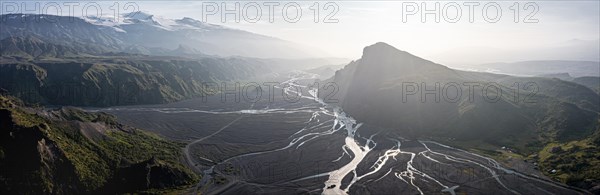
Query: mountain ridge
pixel 374 91
pixel 162 33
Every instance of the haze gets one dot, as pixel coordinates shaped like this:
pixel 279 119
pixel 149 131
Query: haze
pixel 562 25
pixel 362 23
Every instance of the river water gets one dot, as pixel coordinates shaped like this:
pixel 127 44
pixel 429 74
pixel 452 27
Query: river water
pixel 405 165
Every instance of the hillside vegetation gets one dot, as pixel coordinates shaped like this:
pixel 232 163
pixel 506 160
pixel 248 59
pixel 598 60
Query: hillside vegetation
pixel 69 151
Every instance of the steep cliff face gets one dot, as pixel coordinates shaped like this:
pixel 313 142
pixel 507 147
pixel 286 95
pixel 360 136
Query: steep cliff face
pixel 372 87
pixel 69 151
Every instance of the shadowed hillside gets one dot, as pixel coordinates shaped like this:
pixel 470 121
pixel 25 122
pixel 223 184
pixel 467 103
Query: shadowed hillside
pixel 69 151
pixel 419 98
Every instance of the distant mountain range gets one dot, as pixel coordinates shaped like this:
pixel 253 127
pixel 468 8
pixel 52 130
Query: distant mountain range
pixel 586 73
pixel 63 75
pixel 50 67
pixel 571 50
pixel 148 34
pixel 386 87
pixel 543 67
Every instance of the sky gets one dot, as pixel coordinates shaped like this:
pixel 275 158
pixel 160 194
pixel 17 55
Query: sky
pixel 352 25
pixel 361 23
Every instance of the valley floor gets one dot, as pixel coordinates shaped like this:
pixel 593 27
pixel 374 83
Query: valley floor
pixel 312 147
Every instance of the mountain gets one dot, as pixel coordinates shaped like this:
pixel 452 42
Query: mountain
pixel 588 81
pixel 375 87
pixel 561 76
pixel 33 47
pixel 386 87
pixel 49 73
pixel 591 82
pixel 183 50
pixel 64 30
pixel 326 71
pixel 69 151
pixel 62 73
pixel 149 34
